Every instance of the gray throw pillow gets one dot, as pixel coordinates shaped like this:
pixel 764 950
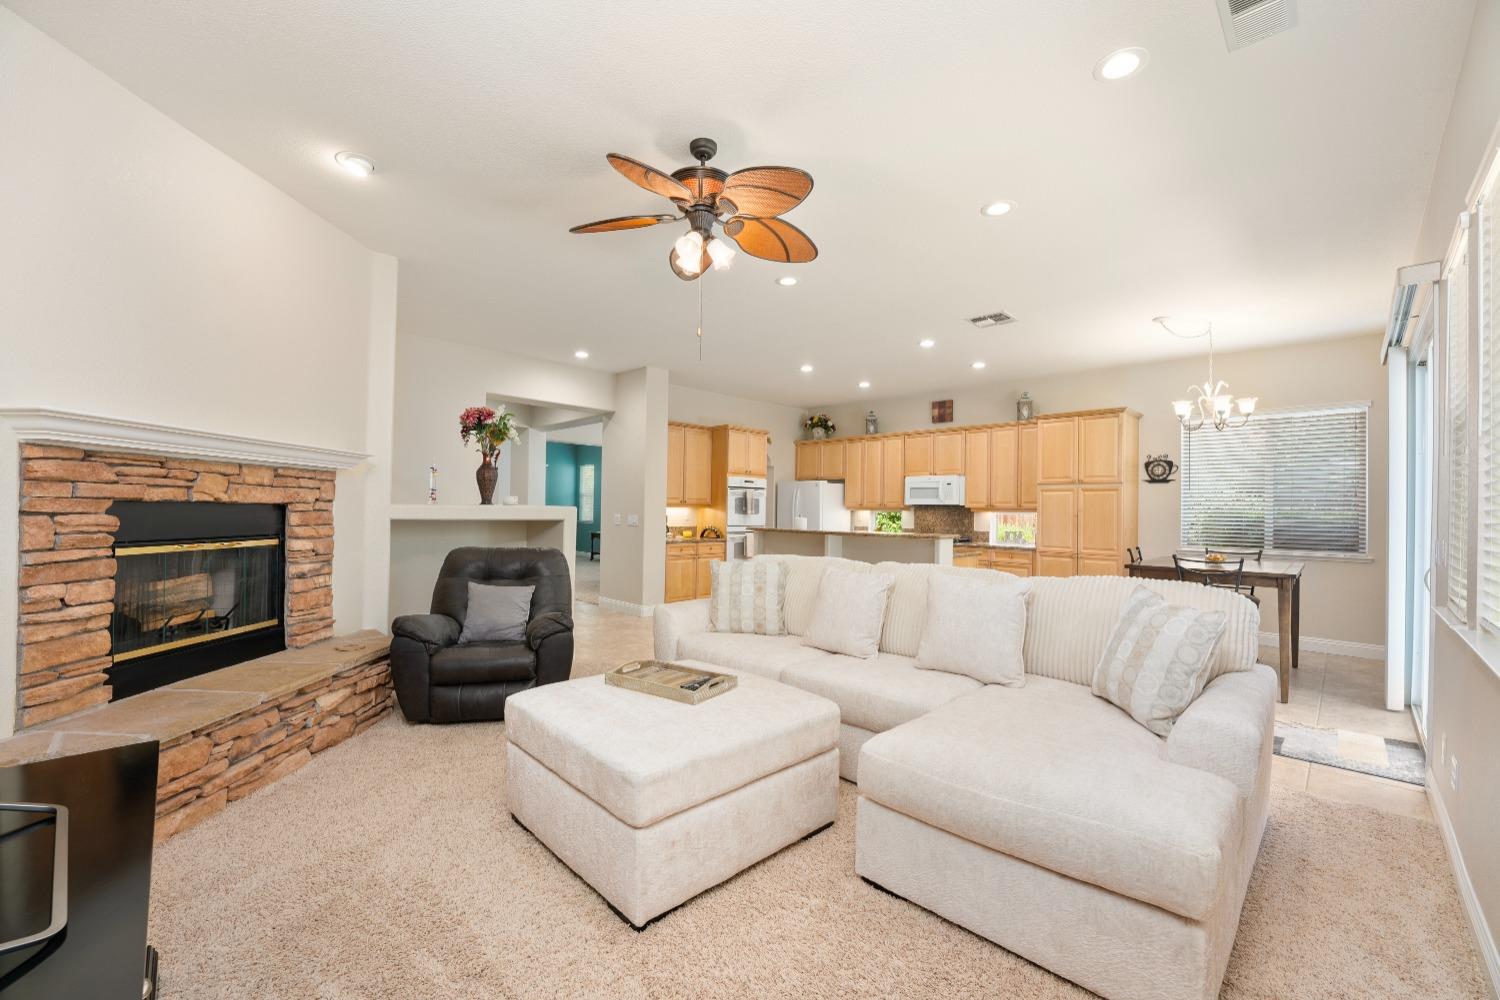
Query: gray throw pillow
pixel 497 613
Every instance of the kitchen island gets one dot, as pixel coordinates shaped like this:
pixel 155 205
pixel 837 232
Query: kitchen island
pixel 863 546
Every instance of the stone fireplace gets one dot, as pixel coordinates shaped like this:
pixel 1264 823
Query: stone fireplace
pixel 126 563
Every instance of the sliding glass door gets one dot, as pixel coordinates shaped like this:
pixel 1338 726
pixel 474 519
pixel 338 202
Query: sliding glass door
pixel 1421 442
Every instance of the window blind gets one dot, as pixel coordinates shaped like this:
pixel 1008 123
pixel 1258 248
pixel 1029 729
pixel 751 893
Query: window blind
pixel 1457 345
pixel 586 494
pixel 1292 481
pixel 1489 400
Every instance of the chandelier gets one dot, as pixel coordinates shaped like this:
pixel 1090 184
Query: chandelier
pixel 1211 403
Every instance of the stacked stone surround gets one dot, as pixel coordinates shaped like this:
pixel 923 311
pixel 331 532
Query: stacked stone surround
pixel 203 771
pixel 67 565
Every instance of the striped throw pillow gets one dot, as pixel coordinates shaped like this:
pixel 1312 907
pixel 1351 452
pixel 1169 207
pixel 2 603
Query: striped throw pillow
pixel 748 596
pixel 1157 660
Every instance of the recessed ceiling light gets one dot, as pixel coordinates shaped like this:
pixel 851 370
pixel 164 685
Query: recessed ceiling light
pixel 581 355
pixel 786 282
pixel 1120 64
pixel 977 365
pixel 864 385
pixel 995 209
pixel 926 342
pixel 805 369
pixel 357 164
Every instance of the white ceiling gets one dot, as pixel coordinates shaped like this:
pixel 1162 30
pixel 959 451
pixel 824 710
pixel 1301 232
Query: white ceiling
pixel 1274 189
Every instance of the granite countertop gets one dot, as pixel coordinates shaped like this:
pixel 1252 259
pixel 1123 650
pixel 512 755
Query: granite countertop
pixel 1016 546
pixel 695 541
pixel 861 534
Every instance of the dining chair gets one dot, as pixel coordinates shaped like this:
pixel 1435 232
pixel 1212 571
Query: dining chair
pixel 1246 554
pixel 1133 554
pixel 1227 575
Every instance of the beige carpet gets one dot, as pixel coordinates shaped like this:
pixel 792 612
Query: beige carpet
pixel 389 868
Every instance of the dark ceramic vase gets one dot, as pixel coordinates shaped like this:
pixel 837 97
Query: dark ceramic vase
pixel 486 476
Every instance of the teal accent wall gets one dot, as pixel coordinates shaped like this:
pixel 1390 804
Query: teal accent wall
pixel 563 464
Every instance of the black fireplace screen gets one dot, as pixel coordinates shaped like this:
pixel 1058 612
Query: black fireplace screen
pixel 168 596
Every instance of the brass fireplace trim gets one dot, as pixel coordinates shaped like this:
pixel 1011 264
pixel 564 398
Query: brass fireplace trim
pixel 148 550
pixel 193 640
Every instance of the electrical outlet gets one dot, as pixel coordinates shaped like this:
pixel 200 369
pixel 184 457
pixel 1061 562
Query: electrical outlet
pixel 633 521
pixel 617 518
pixel 1443 747
pixel 1453 772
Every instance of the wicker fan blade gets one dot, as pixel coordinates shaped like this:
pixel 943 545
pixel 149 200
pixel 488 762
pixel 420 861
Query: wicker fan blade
pixel 771 239
pixel 704 263
pixel 765 192
pixel 624 222
pixel 650 178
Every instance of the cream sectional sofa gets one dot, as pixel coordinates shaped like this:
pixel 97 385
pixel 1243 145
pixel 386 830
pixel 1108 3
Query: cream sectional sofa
pixel 1041 817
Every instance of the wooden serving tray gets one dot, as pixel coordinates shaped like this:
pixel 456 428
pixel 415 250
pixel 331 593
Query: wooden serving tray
pixel 667 680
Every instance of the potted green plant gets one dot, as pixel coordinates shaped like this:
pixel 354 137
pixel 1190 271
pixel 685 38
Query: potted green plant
pixel 490 429
pixel 819 425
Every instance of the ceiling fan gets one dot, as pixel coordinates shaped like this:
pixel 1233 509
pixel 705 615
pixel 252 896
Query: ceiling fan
pixel 745 206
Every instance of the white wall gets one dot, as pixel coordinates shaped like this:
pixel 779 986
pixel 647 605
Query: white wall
pixel 633 569
pixel 1464 703
pixel 1341 600
pixel 436 379
pixel 144 274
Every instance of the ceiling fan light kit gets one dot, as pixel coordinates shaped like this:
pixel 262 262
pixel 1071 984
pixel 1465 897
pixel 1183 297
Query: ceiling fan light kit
pixel 743 207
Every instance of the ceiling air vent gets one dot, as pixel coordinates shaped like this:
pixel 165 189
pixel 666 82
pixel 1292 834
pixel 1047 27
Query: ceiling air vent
pixel 1249 21
pixel 991 319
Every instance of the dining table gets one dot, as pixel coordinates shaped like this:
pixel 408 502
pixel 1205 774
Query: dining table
pixel 1281 575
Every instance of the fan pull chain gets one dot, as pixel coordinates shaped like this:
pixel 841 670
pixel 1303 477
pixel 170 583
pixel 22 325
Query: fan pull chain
pixel 700 322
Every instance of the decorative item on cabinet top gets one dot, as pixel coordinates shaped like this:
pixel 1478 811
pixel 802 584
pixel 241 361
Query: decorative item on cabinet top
pixel 819 425
pixel 1024 407
pixel 942 411
pixel 872 423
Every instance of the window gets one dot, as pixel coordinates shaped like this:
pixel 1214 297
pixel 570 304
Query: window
pixel 585 494
pixel 1456 350
pixel 1290 481
pixel 1487 284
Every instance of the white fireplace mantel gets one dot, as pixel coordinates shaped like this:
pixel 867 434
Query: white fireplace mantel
pixel 88 430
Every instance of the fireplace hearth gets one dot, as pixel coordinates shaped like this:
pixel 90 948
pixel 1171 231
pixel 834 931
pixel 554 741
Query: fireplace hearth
pixel 198 587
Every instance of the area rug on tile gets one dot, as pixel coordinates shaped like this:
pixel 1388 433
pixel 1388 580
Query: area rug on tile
pixel 389 868
pixel 1382 756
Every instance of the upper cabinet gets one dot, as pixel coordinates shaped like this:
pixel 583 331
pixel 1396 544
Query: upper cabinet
pixel 820 459
pixel 1101 448
pixel 918 452
pixel 892 473
pixel 1026 467
pixel 1002 491
pixel 854 476
pixel 977 451
pixel 746 451
pixel 948 453
pixel 697 467
pixel 1057 450
pixel 676 455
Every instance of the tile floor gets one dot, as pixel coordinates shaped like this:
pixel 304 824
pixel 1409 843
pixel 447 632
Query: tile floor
pixel 1334 692
pixel 1347 694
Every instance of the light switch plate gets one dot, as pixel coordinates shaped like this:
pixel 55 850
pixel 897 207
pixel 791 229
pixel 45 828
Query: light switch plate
pixel 633 521
pixel 617 518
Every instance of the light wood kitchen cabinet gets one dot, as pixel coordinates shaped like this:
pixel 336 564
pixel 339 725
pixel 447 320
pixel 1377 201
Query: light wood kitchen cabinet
pixel 870 487
pixel 1026 467
pixel 1057 451
pixel 697 467
pixel 917 449
pixel 690 569
pixel 820 459
pixel 1017 562
pixel 1100 447
pixel 807 459
pixel 1084 527
pixel 892 473
pixel 1003 492
pixel 676 455
pixel 977 479
pixel 690 461
pixel 1057 518
pixel 948 453
pixel 746 451
pixel 830 460
pixel 969 558
pixel 1051 562
pixel 854 476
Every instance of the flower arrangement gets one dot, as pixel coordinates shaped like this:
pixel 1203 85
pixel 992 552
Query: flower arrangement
pixel 819 422
pixel 489 428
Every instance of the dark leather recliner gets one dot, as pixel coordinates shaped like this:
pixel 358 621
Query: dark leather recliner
pixel 438 680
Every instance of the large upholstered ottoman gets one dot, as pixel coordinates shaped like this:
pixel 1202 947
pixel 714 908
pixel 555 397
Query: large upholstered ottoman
pixel 652 801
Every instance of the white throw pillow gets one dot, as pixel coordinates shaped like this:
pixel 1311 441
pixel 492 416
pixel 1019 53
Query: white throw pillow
pixel 748 596
pixel 849 611
pixel 975 627
pixel 1157 659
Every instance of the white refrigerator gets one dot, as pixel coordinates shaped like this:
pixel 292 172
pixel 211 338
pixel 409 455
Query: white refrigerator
pixel 820 502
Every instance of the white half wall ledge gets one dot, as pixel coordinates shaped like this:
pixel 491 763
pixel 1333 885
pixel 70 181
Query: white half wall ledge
pixel 90 430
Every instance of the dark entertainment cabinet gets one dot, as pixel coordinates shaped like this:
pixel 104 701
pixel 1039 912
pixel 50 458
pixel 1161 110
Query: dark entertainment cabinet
pixel 100 952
